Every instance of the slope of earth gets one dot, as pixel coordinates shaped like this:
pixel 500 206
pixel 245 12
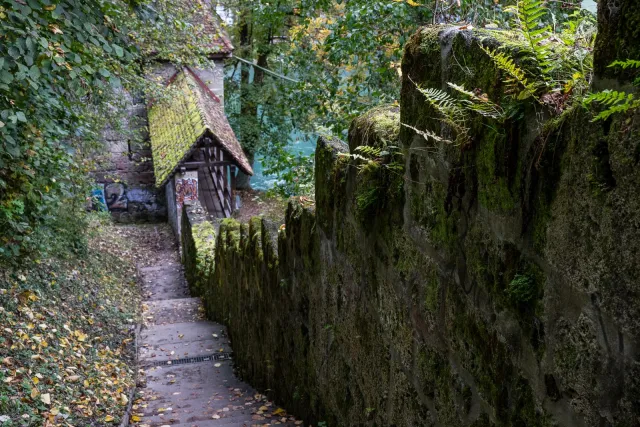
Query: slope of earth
pixel 67 329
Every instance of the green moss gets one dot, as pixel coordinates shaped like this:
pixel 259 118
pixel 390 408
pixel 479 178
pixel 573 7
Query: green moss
pixel 432 291
pixel 429 207
pixel 522 289
pixel 493 186
pixel 203 235
pixel 175 125
pixel 378 127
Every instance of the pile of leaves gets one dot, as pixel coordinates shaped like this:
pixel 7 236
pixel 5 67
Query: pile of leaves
pixel 66 339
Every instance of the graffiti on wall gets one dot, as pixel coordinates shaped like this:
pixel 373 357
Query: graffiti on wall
pixel 116 196
pixel 186 189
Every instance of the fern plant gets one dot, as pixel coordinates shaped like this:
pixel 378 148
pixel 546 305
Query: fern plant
pixel 480 104
pixel 452 112
pixel 518 84
pixel 529 14
pixel 615 102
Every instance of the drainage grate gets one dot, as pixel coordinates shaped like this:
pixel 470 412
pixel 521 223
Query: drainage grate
pixel 187 360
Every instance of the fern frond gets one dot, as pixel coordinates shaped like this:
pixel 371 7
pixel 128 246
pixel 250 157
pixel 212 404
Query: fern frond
pixel 368 151
pixel 479 104
pixel 518 85
pixel 529 15
pixel 627 63
pixel 617 102
pixel 428 135
pixel 444 103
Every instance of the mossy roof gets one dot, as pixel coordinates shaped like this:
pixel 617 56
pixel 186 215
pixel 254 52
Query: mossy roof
pixel 205 20
pixel 178 123
pixel 202 19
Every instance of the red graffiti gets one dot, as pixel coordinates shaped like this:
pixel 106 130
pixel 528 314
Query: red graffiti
pixel 186 191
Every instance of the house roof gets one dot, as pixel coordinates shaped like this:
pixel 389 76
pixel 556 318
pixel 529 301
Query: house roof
pixel 207 24
pixel 204 23
pixel 177 124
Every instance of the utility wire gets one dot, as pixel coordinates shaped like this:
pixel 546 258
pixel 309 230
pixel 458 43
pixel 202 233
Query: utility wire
pixel 265 70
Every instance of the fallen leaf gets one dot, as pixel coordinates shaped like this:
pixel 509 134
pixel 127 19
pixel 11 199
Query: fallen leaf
pixel 46 398
pixel 108 419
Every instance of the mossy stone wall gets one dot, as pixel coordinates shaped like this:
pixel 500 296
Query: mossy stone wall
pixel 489 284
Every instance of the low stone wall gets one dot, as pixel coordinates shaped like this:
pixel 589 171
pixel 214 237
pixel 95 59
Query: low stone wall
pixel 489 283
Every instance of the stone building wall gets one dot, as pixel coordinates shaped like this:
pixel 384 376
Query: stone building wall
pixel 125 171
pixel 491 283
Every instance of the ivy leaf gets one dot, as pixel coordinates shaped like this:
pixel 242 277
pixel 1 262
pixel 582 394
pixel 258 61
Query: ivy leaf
pixel 21 117
pixel 34 72
pixel 6 77
pixel 104 72
pixel 119 51
pixel 14 52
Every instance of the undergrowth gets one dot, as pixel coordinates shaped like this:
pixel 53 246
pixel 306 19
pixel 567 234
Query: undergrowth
pixel 66 343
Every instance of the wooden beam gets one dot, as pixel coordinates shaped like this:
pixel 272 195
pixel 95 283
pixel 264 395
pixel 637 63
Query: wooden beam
pixel 232 168
pixel 198 164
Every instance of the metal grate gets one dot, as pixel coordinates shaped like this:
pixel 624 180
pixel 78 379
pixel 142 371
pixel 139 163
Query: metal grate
pixel 187 360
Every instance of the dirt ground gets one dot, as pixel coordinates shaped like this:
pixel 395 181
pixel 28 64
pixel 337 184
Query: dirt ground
pixel 259 203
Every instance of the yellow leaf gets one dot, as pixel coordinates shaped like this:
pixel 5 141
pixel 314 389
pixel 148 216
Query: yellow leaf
pixel 108 419
pixel 50 7
pixel 135 418
pixel 279 411
pixel 35 380
pixel 46 398
pixel 34 393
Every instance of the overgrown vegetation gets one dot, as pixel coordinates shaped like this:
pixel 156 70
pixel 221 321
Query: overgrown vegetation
pixel 66 343
pixel 614 101
pixel 320 64
pixel 557 74
pixel 63 68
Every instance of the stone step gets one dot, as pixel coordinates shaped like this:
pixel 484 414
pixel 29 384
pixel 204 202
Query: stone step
pixel 181 310
pixel 164 282
pixel 181 340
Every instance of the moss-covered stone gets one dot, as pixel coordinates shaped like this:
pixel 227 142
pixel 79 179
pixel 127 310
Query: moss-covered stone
pixel 488 285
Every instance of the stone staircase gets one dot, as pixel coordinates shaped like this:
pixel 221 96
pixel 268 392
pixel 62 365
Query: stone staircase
pixel 187 364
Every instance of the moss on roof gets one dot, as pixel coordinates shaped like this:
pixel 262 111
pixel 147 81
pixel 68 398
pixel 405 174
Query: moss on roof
pixel 177 123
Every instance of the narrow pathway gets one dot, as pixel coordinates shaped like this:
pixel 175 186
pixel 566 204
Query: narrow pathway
pixel 186 361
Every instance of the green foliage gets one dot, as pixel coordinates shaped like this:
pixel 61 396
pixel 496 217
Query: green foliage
pixel 529 14
pixel 63 69
pixel 450 110
pixel 454 112
pixel 518 84
pixel 60 65
pixel 522 289
pixel 479 103
pixel 615 102
pixel 628 63
pixel 562 61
